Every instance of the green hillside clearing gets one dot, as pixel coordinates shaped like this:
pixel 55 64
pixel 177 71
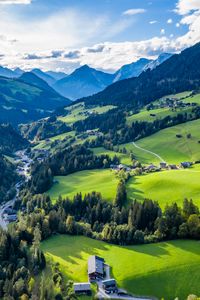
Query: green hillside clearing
pixel 103 181
pixel 78 112
pixel 167 186
pixel 166 270
pixel 154 114
pixel 168 146
pixel 124 158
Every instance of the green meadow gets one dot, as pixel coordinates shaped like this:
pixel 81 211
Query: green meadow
pixel 166 186
pixel 124 158
pixel 166 144
pixel 78 112
pixel 158 113
pixel 169 270
pixel 103 181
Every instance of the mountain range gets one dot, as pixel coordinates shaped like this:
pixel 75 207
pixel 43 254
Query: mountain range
pixel 86 81
pixel 82 82
pixel 181 72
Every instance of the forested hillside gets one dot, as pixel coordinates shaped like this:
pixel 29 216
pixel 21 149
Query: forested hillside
pixel 10 140
pixel 22 102
pixel 7 178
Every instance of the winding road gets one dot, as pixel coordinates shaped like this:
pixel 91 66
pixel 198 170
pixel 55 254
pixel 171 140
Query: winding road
pixel 150 152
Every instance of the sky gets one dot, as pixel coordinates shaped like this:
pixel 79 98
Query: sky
pixel 62 35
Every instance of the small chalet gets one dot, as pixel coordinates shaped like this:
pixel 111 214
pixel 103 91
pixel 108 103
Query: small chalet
pixel 163 165
pixel 83 288
pixel 173 167
pixel 110 286
pixel 150 168
pixel 95 267
pixel 186 165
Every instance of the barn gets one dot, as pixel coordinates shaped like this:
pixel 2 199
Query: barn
pixel 95 267
pixel 82 288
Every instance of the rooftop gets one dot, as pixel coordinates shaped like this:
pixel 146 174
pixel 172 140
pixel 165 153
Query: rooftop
pixel 85 286
pixel 95 265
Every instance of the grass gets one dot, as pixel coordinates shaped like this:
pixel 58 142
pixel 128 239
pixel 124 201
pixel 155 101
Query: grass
pixel 166 270
pixel 178 96
pixel 103 181
pixel 78 112
pixel 167 186
pixel 193 99
pixel 124 158
pixel 159 113
pixel 168 146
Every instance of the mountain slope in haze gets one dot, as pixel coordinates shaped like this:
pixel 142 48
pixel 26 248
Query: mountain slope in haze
pixel 31 78
pixel 56 75
pixel 132 70
pixel 83 82
pixel 155 63
pixel 18 71
pixel 44 76
pixel 22 102
pixel 5 72
pixel 179 73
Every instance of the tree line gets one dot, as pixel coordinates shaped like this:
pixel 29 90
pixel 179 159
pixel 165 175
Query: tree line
pixel 64 162
pixel 138 223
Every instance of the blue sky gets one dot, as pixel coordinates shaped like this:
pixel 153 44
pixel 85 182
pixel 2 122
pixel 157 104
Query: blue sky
pixel 64 34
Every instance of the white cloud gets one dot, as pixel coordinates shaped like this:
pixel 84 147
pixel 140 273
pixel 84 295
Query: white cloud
pixel 134 11
pixel 162 31
pixel 153 22
pixel 190 14
pixel 8 2
pixel 184 7
pixel 65 48
pixel 169 21
pixel 178 25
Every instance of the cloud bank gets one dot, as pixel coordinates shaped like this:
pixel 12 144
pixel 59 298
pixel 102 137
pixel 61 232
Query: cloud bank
pixel 9 2
pixel 74 30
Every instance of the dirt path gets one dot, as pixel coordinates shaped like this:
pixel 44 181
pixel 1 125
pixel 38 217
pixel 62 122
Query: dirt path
pixel 150 152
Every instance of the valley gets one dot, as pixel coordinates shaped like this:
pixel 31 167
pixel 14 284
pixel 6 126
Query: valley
pixel 114 175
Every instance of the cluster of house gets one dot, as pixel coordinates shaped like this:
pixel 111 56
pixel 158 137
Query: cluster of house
pixel 121 167
pixel 94 132
pixel 176 103
pixel 165 166
pixel 96 273
pixel 152 167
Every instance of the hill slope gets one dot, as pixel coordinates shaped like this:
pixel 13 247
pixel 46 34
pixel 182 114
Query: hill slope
pixel 179 73
pixel 33 79
pixel 22 102
pixel 44 76
pixel 161 270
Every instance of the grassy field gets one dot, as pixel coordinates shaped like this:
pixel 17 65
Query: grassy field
pixel 159 113
pixel 124 158
pixel 168 146
pixel 103 181
pixel 167 186
pixel 166 270
pixel 178 96
pixel 78 112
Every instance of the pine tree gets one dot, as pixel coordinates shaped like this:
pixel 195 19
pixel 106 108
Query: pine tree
pixel 121 196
